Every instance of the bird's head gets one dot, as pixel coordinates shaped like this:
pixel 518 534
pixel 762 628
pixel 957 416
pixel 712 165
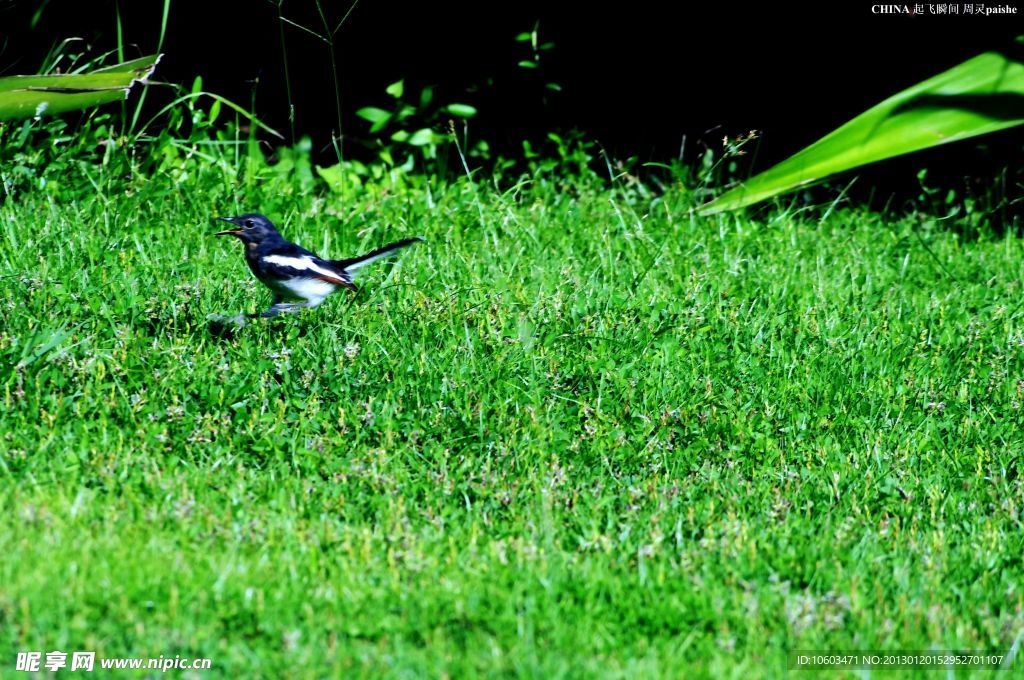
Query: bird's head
pixel 250 227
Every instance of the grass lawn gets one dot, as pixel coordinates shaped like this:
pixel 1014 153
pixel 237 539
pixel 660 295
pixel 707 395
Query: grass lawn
pixel 578 432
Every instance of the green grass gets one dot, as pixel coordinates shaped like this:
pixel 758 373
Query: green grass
pixel 591 435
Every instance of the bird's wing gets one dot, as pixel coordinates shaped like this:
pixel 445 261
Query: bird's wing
pixel 290 259
pixel 352 265
pixel 279 265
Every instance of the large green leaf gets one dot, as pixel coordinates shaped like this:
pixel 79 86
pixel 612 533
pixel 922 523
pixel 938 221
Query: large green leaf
pixel 27 96
pixel 981 95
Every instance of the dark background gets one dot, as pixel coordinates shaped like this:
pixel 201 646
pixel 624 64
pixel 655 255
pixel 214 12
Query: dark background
pixel 635 76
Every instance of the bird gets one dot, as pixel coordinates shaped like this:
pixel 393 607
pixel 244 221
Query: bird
pixel 298 278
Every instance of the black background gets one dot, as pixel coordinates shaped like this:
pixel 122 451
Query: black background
pixel 635 76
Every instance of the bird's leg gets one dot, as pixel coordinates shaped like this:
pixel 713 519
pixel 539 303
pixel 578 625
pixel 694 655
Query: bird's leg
pixel 279 307
pixel 286 307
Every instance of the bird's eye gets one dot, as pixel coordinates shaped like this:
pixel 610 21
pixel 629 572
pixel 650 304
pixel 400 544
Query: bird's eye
pixel 249 224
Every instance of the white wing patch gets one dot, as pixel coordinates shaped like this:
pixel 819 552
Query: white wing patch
pixel 304 263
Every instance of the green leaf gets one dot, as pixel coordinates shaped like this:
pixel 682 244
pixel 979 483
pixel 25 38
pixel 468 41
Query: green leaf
pixel 396 89
pixel 426 96
pixel 421 137
pixel 981 95
pixel 29 96
pixel 461 110
pixel 523 37
pixel 373 114
pixel 526 63
pixel 379 117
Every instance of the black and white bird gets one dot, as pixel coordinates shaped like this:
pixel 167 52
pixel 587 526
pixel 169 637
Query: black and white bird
pixel 298 278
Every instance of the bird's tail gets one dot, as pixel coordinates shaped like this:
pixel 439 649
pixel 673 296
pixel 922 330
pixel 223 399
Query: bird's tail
pixel 352 265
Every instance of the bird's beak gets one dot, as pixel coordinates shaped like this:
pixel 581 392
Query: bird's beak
pixel 226 232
